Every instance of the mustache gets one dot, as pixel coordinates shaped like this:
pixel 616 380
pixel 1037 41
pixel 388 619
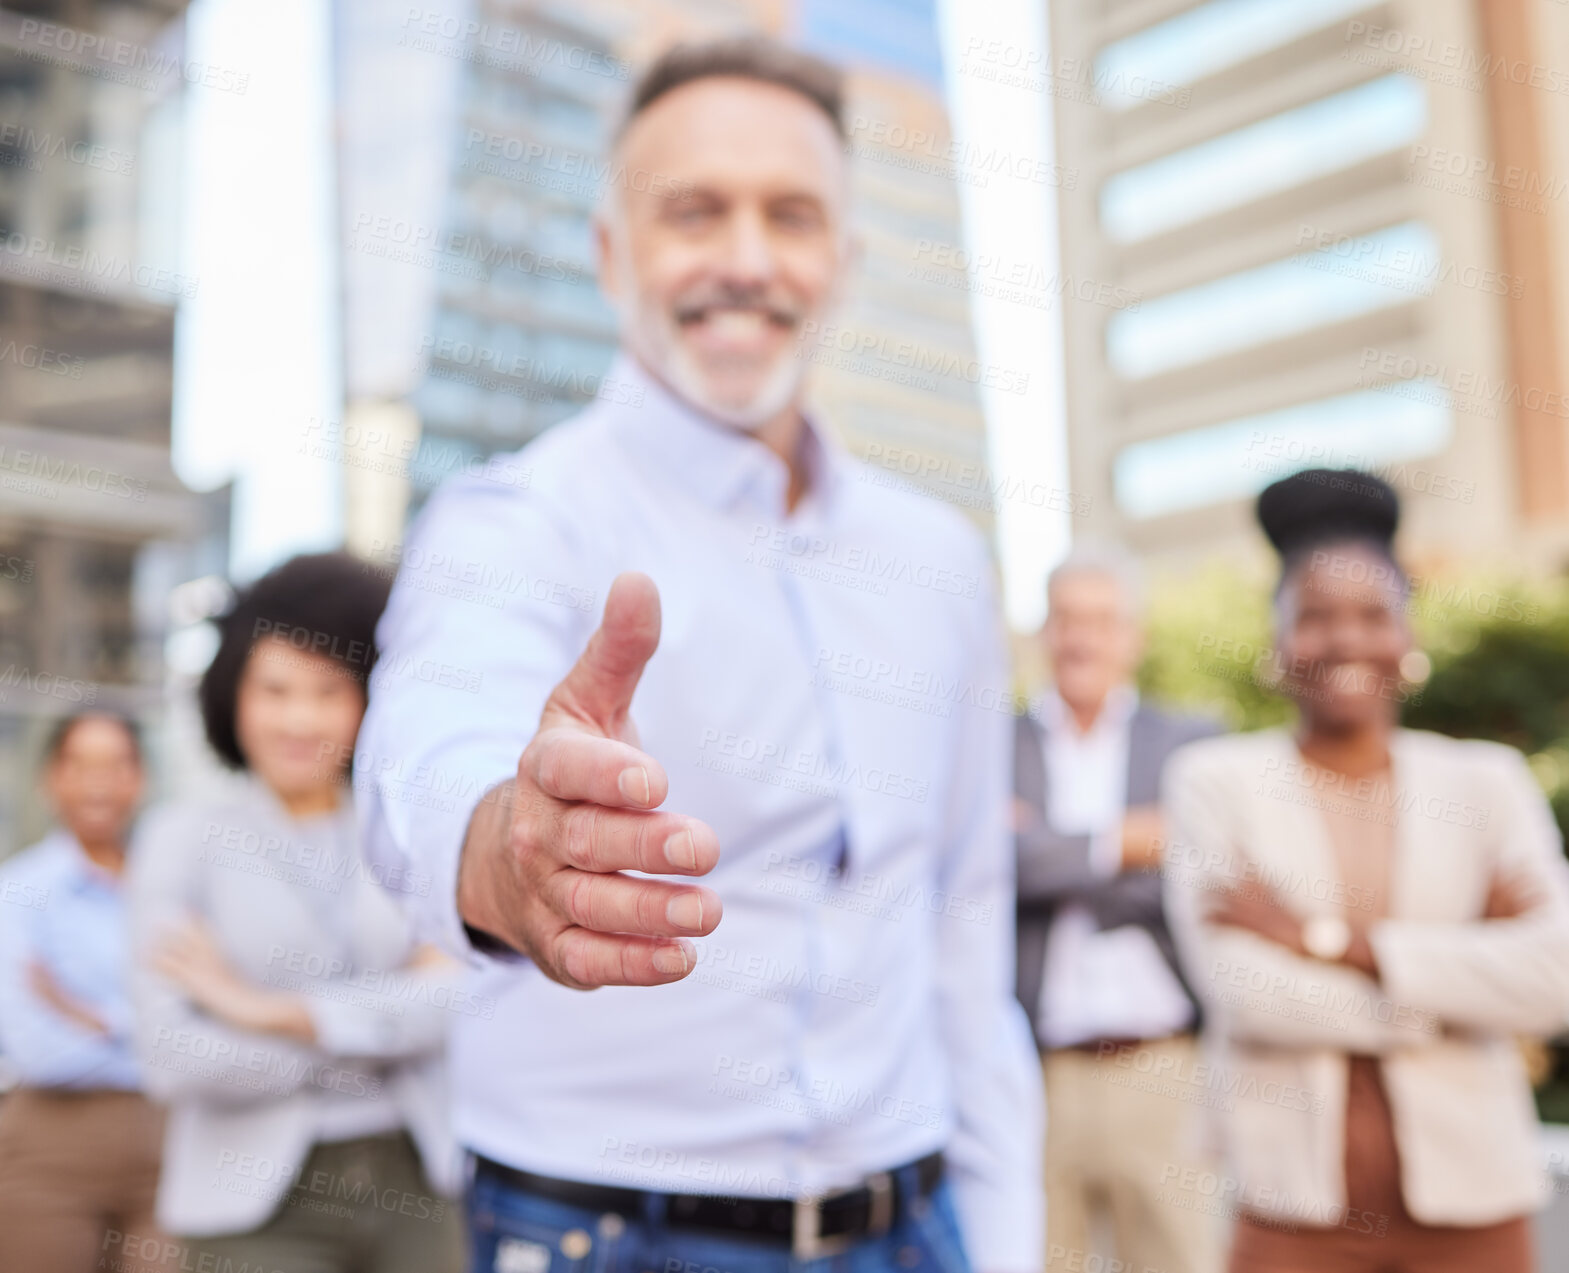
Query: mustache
pixel 773 306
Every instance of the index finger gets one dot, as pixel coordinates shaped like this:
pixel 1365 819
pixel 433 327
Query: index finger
pixel 589 837
pixel 569 764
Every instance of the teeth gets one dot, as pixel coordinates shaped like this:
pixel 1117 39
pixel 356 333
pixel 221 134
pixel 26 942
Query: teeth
pixel 735 322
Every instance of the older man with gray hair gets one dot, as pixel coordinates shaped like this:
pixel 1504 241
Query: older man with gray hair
pixel 840 1072
pixel 1097 971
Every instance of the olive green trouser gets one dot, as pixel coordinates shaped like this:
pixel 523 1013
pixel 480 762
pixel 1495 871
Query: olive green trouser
pixel 358 1206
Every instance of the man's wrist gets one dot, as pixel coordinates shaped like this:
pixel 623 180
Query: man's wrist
pixel 475 895
pixel 487 823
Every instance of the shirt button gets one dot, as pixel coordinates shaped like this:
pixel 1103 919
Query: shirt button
pixel 575 1244
pixel 611 1226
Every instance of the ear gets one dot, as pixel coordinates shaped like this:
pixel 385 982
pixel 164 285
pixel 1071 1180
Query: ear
pixel 605 254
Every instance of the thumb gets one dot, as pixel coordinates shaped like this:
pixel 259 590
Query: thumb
pixel 598 690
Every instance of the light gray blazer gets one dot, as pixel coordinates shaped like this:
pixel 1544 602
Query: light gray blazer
pixel 243 1106
pixel 1054 869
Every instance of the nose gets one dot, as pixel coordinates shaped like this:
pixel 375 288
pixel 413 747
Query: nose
pixel 1345 638
pixel 749 252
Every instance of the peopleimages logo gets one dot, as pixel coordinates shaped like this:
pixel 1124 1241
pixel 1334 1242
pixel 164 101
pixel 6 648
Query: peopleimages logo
pixel 30 141
pixel 531 49
pixel 94 267
pixel 59 471
pixel 908 354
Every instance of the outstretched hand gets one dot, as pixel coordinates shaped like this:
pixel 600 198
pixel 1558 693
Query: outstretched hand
pixel 543 860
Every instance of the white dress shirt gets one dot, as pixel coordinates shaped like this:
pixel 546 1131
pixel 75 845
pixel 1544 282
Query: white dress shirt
pixel 1099 984
pixel 840 1021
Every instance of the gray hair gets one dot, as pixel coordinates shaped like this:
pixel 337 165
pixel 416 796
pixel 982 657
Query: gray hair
pixel 1109 560
pixel 750 57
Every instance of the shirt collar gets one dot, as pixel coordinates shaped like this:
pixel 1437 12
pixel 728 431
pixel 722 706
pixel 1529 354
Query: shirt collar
pixel 718 464
pixel 82 874
pixel 1115 713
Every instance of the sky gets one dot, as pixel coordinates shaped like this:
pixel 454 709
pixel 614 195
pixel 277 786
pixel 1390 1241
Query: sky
pixel 1014 222
pixel 257 347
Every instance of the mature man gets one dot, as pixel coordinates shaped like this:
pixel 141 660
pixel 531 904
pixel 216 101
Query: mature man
pixel 1097 970
pixel 80 1143
pixel 845 1053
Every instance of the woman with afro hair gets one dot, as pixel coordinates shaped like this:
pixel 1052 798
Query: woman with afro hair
pixel 1371 914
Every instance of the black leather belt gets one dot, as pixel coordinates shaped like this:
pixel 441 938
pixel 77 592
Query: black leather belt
pixel 822 1224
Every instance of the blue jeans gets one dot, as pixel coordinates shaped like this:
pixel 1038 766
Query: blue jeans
pixel 513 1231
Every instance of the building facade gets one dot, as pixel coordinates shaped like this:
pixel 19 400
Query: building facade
pixel 95 527
pixel 1317 235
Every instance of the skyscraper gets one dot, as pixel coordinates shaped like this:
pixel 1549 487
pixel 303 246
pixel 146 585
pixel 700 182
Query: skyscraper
pixel 1327 234
pixel 95 528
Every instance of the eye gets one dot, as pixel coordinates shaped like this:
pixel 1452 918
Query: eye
pixel 690 212
pixel 798 214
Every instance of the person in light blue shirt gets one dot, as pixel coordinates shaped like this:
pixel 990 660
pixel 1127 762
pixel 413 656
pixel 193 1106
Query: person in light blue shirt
pixel 79 1143
pixel 64 1017
pixel 798 692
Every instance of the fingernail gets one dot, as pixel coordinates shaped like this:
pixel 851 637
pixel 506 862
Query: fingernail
pixel 633 784
pixel 686 911
pixel 681 850
pixel 675 958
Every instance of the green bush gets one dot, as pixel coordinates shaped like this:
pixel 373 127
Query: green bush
pixel 1208 635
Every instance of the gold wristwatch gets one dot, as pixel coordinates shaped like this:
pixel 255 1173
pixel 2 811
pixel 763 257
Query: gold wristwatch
pixel 1326 937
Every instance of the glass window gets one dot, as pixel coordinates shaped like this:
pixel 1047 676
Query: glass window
pixel 1354 276
pixel 1236 460
pixel 1265 158
pixel 1205 40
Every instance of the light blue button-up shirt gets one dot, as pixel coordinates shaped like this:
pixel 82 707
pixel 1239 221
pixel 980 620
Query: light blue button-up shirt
pixel 830 694
pixel 59 910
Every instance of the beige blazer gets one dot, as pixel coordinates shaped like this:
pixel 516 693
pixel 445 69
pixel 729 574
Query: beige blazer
pixel 1453 990
pixel 243 1106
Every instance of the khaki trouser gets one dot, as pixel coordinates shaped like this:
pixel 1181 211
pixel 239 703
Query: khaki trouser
pixel 78 1180
pixel 358 1204
pixel 1121 1129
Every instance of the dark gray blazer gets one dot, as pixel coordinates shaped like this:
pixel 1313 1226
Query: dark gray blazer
pixel 1054 869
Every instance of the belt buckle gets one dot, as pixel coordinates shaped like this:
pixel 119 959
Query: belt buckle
pixel 806 1240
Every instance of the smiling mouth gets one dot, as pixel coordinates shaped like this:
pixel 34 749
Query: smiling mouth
pixel 736 320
